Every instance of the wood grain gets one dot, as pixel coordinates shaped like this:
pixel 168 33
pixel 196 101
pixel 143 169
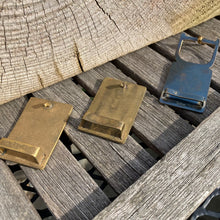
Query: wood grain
pixel 157 125
pixel 120 164
pixel 43 42
pixel 150 68
pixel 177 184
pixel 67 189
pixel 208 29
pixel 14 204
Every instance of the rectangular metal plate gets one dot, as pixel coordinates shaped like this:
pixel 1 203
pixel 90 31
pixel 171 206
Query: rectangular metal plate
pixel 188 83
pixel 113 110
pixel 187 86
pixel 35 135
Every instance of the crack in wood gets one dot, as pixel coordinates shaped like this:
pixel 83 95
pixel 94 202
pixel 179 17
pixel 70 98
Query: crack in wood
pixel 4 34
pixel 28 28
pixel 78 57
pixel 106 13
pixel 40 80
pixel 3 70
pixel 57 70
pixel 74 17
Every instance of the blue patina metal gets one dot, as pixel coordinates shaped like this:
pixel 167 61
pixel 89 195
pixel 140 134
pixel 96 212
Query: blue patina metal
pixel 188 83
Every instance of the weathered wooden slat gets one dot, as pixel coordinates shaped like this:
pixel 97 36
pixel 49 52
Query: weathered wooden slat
pixel 208 29
pixel 157 125
pixel 65 186
pixel 149 68
pixel 43 42
pixel 67 189
pixel 193 53
pixel 120 164
pixel 178 183
pixel 14 204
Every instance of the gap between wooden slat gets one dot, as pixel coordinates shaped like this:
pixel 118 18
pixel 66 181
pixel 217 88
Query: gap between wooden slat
pixel 80 157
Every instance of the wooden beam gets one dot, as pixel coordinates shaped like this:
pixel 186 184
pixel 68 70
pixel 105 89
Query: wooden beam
pixel 175 186
pixel 43 42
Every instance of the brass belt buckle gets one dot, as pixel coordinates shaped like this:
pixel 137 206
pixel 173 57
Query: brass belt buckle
pixel 35 135
pixel 113 110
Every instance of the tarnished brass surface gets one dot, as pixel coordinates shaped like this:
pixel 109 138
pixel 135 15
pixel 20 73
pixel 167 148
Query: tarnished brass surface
pixel 113 110
pixel 35 135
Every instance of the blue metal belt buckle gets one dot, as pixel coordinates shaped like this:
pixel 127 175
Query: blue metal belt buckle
pixel 188 83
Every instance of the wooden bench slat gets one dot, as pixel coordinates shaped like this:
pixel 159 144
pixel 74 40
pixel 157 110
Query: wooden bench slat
pixel 121 165
pixel 14 204
pixel 208 29
pixel 178 183
pixel 150 68
pixel 65 186
pixel 67 189
pixel 157 125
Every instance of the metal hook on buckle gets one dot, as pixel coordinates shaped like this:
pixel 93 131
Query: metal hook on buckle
pixel 201 41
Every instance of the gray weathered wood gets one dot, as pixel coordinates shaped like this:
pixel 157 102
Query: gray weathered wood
pixel 67 189
pixel 178 183
pixel 208 29
pixel 157 125
pixel 120 164
pixel 14 204
pixel 43 42
pixel 150 68
pixel 65 186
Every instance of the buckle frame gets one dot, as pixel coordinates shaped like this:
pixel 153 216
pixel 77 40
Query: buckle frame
pixel 188 83
pixel 113 110
pixel 36 133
